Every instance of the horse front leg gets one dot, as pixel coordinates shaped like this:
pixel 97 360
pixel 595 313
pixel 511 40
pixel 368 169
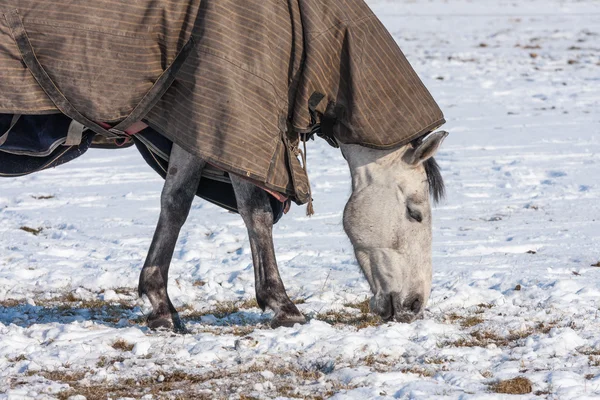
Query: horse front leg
pixel 255 208
pixel 181 184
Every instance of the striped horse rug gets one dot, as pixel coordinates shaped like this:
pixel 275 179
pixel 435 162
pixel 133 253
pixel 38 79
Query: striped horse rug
pixel 237 82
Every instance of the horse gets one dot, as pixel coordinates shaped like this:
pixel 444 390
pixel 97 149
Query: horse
pixel 228 89
pixel 387 219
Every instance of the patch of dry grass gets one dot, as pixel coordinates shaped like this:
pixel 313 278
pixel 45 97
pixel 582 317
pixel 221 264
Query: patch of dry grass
pixel 68 304
pixel 384 363
pixel 363 306
pixel 487 374
pixel 437 360
pixel 126 291
pixel 471 321
pixel 519 385
pixel 70 301
pixel 588 351
pixel 9 303
pixel 360 321
pixel 248 304
pixel 483 338
pixel 122 345
pixel 420 371
pixel 20 357
pixel 221 310
pixel 464 321
pixel 229 330
pixel 186 385
pixel 100 310
pixel 594 361
pixel 293 371
pixel 33 231
pixel 63 376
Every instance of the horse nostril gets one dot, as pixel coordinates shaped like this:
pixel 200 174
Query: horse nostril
pixel 415 306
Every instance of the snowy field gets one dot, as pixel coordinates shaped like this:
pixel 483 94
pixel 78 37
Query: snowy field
pixel 515 292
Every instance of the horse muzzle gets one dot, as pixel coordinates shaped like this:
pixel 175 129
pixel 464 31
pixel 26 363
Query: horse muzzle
pixel 394 307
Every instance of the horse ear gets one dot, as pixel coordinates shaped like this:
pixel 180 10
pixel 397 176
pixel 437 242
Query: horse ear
pixel 425 149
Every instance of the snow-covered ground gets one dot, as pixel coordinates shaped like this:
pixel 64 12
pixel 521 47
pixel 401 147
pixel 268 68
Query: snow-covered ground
pixel 514 295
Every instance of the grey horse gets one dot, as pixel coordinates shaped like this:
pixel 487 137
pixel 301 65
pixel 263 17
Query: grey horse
pixel 387 218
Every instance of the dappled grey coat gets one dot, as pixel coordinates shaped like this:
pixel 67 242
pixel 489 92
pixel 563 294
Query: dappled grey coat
pixel 242 94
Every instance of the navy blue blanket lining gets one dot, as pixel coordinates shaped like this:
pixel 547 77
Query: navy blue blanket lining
pixel 36 143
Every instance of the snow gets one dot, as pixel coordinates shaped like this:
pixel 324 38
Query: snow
pixel 514 291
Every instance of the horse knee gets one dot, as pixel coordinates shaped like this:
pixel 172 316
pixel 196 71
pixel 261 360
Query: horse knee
pixel 257 220
pixel 175 208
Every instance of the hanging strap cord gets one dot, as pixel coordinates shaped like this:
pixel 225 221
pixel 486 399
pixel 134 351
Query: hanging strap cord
pixel 304 137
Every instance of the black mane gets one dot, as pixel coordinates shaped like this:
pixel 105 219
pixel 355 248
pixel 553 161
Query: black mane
pixel 437 189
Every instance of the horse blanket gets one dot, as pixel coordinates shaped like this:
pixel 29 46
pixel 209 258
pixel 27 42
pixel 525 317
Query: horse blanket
pixel 236 82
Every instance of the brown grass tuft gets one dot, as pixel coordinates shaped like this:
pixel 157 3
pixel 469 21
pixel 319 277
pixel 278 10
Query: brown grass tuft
pixel 471 321
pixel 33 231
pixel 102 362
pixel 363 306
pixel 122 345
pixel 360 321
pixel 11 303
pixel 69 298
pixel 222 310
pixel 248 304
pixel 519 385
pixel 21 357
pixel 588 351
pixel 63 376
pixel 487 374
pixel 594 361
pixel 228 330
pixel 483 338
pixel 464 321
pixel 126 291
pixel 182 384
pixel 422 372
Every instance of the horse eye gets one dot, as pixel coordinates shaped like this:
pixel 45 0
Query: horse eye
pixel 414 214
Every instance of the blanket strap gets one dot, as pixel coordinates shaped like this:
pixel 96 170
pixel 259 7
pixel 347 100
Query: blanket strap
pixel 13 122
pixel 74 134
pixel 322 121
pixel 149 100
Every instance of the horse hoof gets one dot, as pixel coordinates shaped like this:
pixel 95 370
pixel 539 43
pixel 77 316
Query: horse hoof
pixel 179 326
pixel 287 321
